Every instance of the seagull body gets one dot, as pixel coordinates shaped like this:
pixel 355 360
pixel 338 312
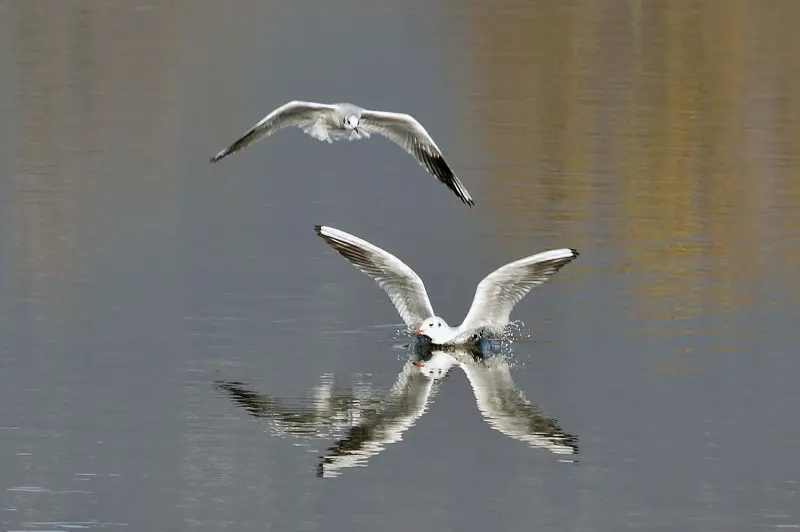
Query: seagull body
pixel 338 121
pixel 495 297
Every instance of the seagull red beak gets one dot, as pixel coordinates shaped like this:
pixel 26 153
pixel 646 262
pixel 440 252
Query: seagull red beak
pixel 418 331
pixel 418 364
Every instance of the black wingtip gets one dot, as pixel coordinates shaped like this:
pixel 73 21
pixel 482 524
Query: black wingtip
pixel 455 185
pixel 436 165
pixel 318 229
pixel 574 252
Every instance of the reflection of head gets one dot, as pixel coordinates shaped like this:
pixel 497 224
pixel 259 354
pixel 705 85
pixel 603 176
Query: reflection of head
pixel 434 361
pixel 437 366
pixel 425 350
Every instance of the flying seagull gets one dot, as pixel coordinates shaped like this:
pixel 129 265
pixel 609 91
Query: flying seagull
pixel 330 122
pixel 495 298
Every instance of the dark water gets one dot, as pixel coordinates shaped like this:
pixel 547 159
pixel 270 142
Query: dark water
pixel 660 139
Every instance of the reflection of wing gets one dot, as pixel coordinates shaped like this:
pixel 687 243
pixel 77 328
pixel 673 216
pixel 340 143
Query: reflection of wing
pixel 399 410
pixel 328 415
pixel 366 421
pixel 507 410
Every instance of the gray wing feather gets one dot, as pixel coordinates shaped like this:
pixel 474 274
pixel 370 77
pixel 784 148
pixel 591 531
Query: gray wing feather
pixel 501 290
pixel 294 113
pixel 405 131
pixel 400 282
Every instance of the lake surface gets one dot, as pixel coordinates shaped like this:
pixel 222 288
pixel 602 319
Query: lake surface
pixel 139 285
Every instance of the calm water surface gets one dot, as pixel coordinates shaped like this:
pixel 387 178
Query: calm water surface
pixel 180 351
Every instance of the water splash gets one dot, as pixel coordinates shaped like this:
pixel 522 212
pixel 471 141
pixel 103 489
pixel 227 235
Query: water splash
pixel 402 335
pixel 515 332
pixel 403 343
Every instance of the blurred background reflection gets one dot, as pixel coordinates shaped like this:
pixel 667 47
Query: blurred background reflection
pixel 661 139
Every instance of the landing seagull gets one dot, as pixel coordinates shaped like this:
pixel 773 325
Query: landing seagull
pixel 495 298
pixel 330 122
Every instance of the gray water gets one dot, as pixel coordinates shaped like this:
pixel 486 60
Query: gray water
pixel 662 140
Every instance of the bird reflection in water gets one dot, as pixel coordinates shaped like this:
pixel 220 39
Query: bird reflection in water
pixel 366 420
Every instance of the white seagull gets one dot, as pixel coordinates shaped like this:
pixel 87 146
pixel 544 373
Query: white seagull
pixel 330 122
pixel 495 298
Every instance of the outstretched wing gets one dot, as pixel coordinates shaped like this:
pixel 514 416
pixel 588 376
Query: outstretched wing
pixel 406 132
pixel 294 113
pixel 501 290
pixel 403 286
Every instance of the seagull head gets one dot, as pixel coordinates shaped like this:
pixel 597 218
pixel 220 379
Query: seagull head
pixel 436 329
pixel 351 121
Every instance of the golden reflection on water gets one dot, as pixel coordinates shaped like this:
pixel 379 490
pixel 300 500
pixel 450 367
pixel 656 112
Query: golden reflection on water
pixel 669 132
